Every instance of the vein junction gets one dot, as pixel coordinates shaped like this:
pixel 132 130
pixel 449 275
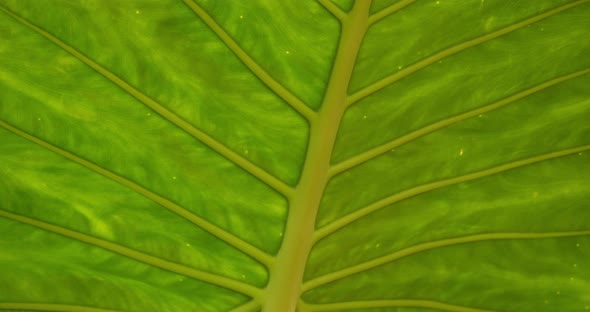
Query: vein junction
pixel 284 288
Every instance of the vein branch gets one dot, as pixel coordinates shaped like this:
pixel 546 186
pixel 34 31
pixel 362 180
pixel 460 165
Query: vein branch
pixel 249 306
pixel 333 9
pixel 365 266
pixel 389 10
pixel 178 121
pixel 380 84
pixel 50 307
pixel 252 65
pixel 283 288
pixel 388 146
pixel 362 212
pixel 220 233
pixel 137 255
pixel 407 303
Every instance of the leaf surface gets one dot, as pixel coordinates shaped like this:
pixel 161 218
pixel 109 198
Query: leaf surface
pixel 364 156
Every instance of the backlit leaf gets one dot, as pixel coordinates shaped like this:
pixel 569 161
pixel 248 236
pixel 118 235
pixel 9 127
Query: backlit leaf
pixel 281 156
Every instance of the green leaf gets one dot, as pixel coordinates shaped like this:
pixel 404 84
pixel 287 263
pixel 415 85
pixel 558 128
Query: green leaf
pixel 363 156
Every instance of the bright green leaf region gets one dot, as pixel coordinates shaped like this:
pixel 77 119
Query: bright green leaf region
pixel 295 156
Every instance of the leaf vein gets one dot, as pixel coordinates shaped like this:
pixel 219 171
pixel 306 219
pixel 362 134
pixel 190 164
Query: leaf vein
pixel 413 303
pixel 414 191
pixel 51 307
pixel 388 146
pixel 384 82
pixel 333 9
pixel 210 278
pixel 218 232
pixel 405 252
pixel 249 306
pixel 178 121
pixel 287 96
pixel 389 10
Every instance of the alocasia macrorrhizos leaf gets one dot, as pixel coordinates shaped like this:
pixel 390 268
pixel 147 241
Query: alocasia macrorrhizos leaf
pixel 280 156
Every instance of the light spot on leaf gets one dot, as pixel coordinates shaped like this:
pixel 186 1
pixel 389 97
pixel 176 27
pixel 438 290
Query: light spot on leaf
pixel 489 23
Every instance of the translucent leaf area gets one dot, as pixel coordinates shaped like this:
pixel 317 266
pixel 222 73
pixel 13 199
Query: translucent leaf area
pixel 295 156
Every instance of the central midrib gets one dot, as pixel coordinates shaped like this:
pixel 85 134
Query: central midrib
pixel 286 274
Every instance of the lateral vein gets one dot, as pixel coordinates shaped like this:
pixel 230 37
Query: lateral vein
pixel 388 146
pixel 389 10
pixel 287 96
pixel 362 212
pixel 175 119
pixel 365 266
pixel 249 306
pixel 333 9
pixel 380 84
pixel 408 303
pixel 51 307
pixel 218 232
pixel 207 277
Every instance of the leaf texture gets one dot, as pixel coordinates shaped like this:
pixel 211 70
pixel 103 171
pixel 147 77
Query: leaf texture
pixel 295 156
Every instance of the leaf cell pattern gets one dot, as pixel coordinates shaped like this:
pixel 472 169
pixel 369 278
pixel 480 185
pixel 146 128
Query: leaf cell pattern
pixel 295 155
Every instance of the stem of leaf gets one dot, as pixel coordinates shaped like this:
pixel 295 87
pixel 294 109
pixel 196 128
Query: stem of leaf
pixel 286 274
